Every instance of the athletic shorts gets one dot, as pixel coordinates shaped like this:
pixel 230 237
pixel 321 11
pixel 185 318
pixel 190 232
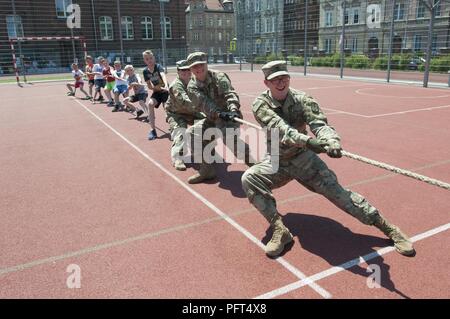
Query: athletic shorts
pixel 160 97
pixel 121 89
pixel 99 83
pixel 79 84
pixel 138 97
pixel 110 85
pixel 91 82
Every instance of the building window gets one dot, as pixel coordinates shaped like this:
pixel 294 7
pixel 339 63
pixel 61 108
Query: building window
pixel 267 25
pixel 346 17
pixel 420 10
pixel 147 28
pixel 219 36
pixel 434 44
pixel 355 45
pixel 106 28
pixel 211 21
pixel 355 15
pixel 328 19
pixel 200 21
pixel 257 5
pixel 437 8
pixel 417 42
pixel 274 29
pixel 127 28
pixel 219 22
pixel 61 8
pixel 399 11
pixel 168 27
pixel 257 26
pixel 14 26
pixel 196 36
pixel 327 45
pixel 247 5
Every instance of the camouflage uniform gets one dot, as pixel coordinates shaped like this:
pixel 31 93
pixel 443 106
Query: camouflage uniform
pixel 214 95
pixel 180 113
pixel 297 161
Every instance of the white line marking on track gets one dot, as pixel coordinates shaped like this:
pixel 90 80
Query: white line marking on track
pixel 411 111
pixel 296 272
pixel 334 270
pixel 360 92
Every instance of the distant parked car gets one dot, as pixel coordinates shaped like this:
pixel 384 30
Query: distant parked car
pixel 237 60
pixel 414 63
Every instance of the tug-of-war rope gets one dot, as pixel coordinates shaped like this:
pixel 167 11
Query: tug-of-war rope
pixel 382 165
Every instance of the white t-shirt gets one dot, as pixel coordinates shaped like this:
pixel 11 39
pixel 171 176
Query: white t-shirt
pixel 78 73
pixel 119 74
pixel 98 68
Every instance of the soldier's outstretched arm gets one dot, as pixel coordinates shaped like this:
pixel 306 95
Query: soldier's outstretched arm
pixel 180 95
pixel 201 102
pixel 231 96
pixel 317 120
pixel 267 118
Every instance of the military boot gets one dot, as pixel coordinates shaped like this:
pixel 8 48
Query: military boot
pixel 206 172
pixel 179 165
pixel 280 238
pixel 402 243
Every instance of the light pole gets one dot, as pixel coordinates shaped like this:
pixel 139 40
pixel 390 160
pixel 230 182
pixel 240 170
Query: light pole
pixel 163 32
pixel 119 17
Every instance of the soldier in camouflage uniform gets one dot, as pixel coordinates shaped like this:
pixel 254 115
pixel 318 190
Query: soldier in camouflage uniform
pixel 212 93
pixel 289 111
pixel 180 113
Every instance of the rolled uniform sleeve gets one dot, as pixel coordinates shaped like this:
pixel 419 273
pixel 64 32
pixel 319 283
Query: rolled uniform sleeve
pixel 228 92
pixel 201 101
pixel 182 103
pixel 269 119
pixel 317 121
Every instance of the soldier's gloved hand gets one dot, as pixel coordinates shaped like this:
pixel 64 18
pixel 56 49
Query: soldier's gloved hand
pixel 317 146
pixel 234 114
pixel 334 149
pixel 223 115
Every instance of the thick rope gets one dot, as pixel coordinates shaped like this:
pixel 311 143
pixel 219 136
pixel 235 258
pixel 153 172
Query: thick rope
pixel 382 165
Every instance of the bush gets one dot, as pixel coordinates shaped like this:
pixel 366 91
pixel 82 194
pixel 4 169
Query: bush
pixel 380 63
pixel 297 60
pixel 440 64
pixel 273 57
pixel 260 60
pixel 358 61
pixel 400 61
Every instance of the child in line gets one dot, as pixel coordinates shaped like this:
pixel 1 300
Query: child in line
pixel 156 81
pixel 121 86
pixel 79 83
pixel 140 93
pixel 110 81
pixel 99 81
pixel 89 68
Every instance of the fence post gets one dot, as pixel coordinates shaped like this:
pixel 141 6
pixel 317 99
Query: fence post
pixel 343 39
pixel 391 34
pixel 305 54
pixel 429 44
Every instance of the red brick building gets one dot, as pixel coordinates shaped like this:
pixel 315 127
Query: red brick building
pixel 102 24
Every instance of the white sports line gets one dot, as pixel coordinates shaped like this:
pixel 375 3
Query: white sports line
pixel 334 270
pixel 295 271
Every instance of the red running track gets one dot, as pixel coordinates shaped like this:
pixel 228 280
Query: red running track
pixel 79 188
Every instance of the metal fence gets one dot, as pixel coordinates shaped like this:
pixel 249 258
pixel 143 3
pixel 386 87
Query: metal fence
pixel 390 40
pixel 47 36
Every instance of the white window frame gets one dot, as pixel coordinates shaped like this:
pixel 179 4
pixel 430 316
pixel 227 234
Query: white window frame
pixel 146 25
pixel 65 4
pixel 399 9
pixel 106 22
pixel 14 22
pixel 168 27
pixel 328 18
pixel 126 23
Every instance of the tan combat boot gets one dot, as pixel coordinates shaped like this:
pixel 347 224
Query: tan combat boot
pixel 402 243
pixel 280 238
pixel 179 165
pixel 206 172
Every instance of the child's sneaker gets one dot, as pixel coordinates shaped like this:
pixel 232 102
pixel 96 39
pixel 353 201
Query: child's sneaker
pixel 70 94
pixel 117 108
pixel 139 113
pixel 110 103
pixel 152 135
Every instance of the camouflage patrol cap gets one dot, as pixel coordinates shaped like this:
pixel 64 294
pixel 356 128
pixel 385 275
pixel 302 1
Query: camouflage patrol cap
pixel 196 58
pixel 182 65
pixel 275 68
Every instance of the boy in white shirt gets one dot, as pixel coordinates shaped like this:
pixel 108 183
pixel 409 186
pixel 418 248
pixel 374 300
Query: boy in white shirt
pixel 121 86
pixel 79 83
